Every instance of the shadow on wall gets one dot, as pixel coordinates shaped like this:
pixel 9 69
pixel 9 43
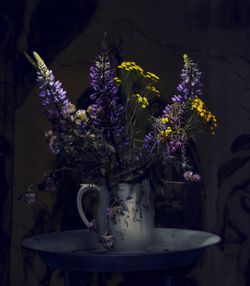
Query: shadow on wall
pixel 5 151
pixel 235 13
pixel 26 26
pixel 234 206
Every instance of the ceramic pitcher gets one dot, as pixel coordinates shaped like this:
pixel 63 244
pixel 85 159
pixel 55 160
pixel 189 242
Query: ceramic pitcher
pixel 133 228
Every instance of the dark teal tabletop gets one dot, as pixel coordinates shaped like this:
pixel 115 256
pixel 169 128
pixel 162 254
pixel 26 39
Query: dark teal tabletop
pixel 79 250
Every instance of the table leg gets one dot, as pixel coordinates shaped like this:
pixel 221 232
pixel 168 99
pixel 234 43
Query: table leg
pixel 84 280
pixel 76 278
pixel 66 278
pixel 167 279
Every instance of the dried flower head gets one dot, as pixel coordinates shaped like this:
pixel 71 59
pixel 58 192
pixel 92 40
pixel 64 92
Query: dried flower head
pixel 30 197
pixel 113 212
pixel 107 240
pixel 191 177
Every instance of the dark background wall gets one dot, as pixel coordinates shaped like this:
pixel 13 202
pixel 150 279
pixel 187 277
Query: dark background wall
pixel 215 33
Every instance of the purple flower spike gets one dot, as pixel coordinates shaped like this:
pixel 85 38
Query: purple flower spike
pixel 102 74
pixel 148 140
pixel 107 108
pixel 191 82
pixel 177 98
pixel 51 91
pixel 180 87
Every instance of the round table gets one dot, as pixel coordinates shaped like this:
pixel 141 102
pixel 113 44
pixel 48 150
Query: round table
pixel 79 250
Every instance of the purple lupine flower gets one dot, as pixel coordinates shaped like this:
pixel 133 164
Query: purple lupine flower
pixel 191 177
pixel 168 112
pixel 191 82
pixel 107 240
pixel 51 91
pixel 171 119
pixel 106 111
pixel 177 98
pixel 148 140
pixel 102 75
pixel 53 97
pixel 174 113
pixel 126 141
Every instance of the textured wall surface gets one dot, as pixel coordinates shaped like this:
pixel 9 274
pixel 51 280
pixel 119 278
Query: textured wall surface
pixel 216 34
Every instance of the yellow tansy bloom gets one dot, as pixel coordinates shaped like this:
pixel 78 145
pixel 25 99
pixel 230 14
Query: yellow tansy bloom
pixel 142 99
pixel 153 90
pixel 165 133
pixel 164 120
pixel 130 66
pixel 152 76
pixel 117 80
pixel 206 115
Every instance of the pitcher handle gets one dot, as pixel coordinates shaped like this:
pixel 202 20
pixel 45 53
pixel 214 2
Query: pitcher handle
pixel 79 200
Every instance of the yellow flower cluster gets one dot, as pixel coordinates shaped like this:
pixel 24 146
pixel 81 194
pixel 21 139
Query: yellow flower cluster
pixel 142 99
pixel 152 76
pixel 164 120
pixel 117 80
pixel 165 133
pixel 200 107
pixel 132 66
pixel 153 89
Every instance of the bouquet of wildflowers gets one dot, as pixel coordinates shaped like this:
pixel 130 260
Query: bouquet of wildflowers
pixel 117 138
